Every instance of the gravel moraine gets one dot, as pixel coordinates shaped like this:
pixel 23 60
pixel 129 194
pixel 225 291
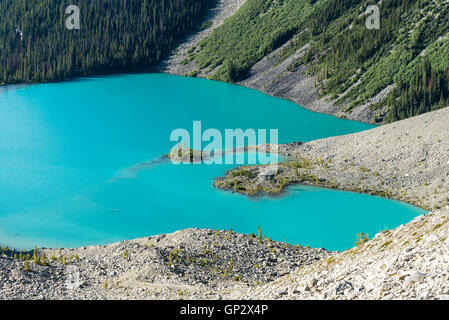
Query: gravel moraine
pixel 188 264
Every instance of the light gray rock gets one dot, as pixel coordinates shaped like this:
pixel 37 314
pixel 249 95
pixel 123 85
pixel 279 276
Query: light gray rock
pixel 188 264
pixel 415 276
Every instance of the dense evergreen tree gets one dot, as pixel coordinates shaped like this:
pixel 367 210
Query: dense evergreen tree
pixel 114 36
pixel 426 90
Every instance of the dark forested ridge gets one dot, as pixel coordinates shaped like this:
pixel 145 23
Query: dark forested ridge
pixel 114 36
pixel 408 51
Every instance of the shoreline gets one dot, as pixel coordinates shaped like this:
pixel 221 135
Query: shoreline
pixel 190 263
pixel 277 188
pixel 287 150
pixel 386 161
pixel 158 71
pixel 183 265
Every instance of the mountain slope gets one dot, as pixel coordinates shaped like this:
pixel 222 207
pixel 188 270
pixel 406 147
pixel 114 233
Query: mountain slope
pixel 396 72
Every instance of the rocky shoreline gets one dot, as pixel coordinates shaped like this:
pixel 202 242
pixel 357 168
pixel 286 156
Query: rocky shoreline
pixel 406 160
pixel 188 264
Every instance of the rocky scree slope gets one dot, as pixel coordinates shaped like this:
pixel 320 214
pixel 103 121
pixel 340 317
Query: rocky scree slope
pixel 321 55
pixel 188 264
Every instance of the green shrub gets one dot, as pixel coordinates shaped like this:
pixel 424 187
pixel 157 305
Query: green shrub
pixel 361 238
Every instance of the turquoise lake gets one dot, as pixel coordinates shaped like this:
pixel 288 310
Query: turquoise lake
pixel 79 166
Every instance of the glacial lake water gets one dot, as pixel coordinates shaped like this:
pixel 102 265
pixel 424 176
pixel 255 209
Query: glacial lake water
pixel 79 166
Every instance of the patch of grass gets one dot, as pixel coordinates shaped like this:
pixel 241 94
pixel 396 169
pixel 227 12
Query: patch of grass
pixel 385 244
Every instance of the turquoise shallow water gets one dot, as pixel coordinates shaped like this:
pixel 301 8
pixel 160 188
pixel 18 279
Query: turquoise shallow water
pixel 78 166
